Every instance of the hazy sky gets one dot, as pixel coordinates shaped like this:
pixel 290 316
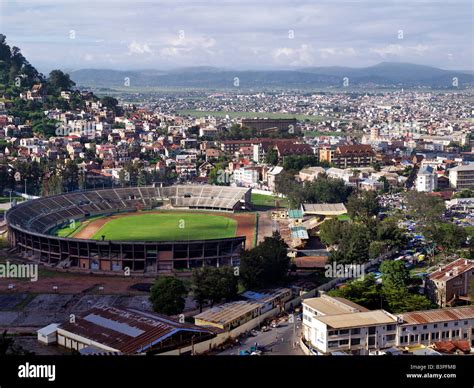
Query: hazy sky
pixel 239 34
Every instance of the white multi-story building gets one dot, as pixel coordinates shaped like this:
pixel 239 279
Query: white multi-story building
pixel 246 176
pixel 426 180
pixel 336 324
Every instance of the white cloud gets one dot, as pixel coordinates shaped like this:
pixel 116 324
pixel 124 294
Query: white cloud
pixel 300 56
pixel 330 52
pixel 400 51
pixel 138 48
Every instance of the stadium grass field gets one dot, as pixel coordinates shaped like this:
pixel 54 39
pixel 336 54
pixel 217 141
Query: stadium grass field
pixel 167 226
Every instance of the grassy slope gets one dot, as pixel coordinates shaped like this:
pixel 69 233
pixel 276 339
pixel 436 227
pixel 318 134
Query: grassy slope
pixel 166 226
pixel 267 200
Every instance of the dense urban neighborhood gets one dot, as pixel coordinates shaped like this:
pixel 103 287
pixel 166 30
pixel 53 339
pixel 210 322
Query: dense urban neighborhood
pixel 234 221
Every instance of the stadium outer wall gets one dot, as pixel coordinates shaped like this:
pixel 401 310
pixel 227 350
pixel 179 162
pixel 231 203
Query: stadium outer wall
pixel 114 257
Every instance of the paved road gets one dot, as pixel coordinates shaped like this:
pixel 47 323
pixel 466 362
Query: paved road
pixel 277 341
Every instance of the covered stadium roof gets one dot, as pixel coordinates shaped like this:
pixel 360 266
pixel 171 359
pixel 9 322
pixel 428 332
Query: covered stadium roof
pixel 324 209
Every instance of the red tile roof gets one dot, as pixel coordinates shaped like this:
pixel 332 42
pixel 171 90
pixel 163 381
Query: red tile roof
pixel 311 261
pixel 286 149
pixel 362 149
pixel 452 346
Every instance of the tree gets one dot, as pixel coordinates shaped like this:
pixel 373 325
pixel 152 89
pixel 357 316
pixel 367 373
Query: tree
pixel 386 184
pixel 272 157
pixel 376 248
pixel 198 287
pixel 395 282
pixel 389 232
pixel 423 206
pixel 363 291
pixel 401 301
pixel 265 265
pixel 298 162
pixel 326 190
pixel 394 274
pixel 251 269
pixel 332 231
pixel 228 283
pixel 465 193
pixel 109 102
pixel 58 82
pixel 143 178
pixel 446 235
pixel 211 284
pixel 376 166
pixel 356 245
pixel 8 346
pixel 167 295
pixel 70 175
pixel 363 206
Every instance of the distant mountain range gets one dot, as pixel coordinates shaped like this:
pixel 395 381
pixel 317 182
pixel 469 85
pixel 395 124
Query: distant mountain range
pixel 385 74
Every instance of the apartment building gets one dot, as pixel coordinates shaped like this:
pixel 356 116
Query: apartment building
pixel 348 156
pixel 451 282
pixel 462 177
pixel 247 176
pixel 427 179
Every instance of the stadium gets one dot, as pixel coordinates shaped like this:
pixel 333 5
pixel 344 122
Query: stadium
pixel 146 230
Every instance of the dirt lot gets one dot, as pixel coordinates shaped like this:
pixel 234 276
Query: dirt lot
pixel 73 283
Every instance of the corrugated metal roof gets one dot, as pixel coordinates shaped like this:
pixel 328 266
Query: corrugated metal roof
pixel 324 208
pixel 295 213
pixel 128 331
pixel 439 315
pixel 299 232
pixel 228 312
